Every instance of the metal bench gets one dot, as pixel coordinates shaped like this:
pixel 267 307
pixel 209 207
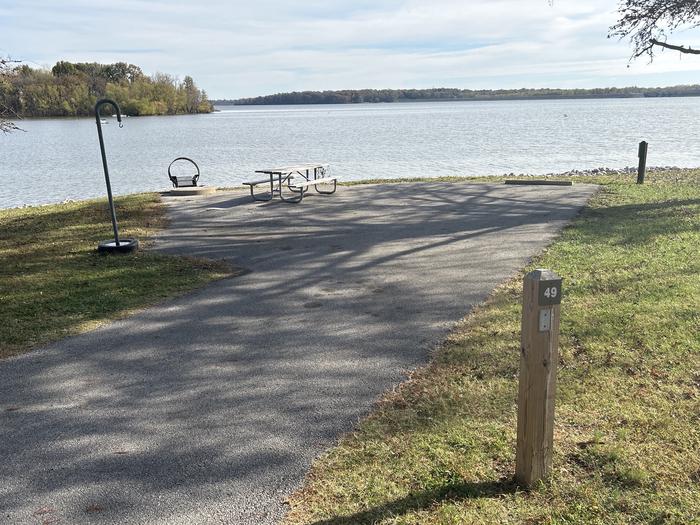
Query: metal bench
pixel 184 181
pixel 296 183
pixel 297 179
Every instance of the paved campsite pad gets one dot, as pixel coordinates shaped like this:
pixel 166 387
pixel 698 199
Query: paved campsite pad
pixel 210 408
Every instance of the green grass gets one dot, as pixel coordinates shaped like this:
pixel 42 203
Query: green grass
pixel 440 448
pixel 53 283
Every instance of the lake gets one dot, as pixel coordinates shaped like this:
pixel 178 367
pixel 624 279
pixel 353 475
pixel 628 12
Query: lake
pixel 59 159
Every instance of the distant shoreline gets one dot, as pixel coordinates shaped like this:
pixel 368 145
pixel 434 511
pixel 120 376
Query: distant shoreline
pixel 456 95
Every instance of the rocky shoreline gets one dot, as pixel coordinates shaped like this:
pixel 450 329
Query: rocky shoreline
pixel 603 171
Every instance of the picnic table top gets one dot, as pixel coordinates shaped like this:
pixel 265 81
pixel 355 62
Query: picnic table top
pixel 294 167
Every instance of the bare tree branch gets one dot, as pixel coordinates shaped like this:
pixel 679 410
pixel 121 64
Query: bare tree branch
pixel 647 23
pixel 6 125
pixel 6 114
pixel 682 49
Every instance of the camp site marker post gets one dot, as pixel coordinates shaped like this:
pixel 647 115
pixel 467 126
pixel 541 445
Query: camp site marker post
pixel 539 358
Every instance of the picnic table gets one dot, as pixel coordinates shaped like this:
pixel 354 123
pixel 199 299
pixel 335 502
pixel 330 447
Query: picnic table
pixel 297 178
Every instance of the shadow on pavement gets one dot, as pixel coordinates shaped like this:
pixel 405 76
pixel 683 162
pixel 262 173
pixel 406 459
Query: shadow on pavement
pixel 212 406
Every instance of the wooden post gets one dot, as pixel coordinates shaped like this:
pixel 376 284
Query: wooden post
pixel 539 358
pixel 641 171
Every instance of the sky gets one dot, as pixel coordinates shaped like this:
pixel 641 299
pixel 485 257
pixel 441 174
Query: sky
pixel 239 49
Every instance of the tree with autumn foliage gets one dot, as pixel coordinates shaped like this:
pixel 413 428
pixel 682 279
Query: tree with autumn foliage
pixel 71 89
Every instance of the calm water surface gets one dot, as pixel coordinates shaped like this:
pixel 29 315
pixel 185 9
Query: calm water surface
pixel 58 159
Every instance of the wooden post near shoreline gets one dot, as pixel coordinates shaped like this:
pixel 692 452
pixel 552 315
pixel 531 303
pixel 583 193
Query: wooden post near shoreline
pixel 539 358
pixel 641 170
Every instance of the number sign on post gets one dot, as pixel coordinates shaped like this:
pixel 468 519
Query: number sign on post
pixel 539 358
pixel 550 292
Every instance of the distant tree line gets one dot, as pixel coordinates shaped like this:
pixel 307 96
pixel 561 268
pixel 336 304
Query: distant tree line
pixel 353 96
pixel 71 89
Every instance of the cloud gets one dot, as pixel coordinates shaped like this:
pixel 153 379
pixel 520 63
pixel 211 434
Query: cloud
pixel 240 48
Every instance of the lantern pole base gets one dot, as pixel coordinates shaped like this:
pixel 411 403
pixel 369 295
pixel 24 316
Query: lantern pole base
pixel 125 246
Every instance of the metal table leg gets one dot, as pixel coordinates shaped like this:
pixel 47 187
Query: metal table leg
pixel 292 200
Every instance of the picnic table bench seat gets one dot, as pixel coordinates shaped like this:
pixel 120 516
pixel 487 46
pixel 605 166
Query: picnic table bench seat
pixel 256 182
pixel 312 182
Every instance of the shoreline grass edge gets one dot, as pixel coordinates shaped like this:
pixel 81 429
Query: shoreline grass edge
pixel 54 284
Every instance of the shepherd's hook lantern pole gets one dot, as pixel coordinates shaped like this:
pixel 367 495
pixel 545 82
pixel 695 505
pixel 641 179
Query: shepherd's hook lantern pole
pixel 113 245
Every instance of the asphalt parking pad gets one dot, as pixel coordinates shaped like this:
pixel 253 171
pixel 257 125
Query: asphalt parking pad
pixel 210 408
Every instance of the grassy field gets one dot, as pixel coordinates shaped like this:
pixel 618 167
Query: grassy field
pixel 440 448
pixel 54 284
